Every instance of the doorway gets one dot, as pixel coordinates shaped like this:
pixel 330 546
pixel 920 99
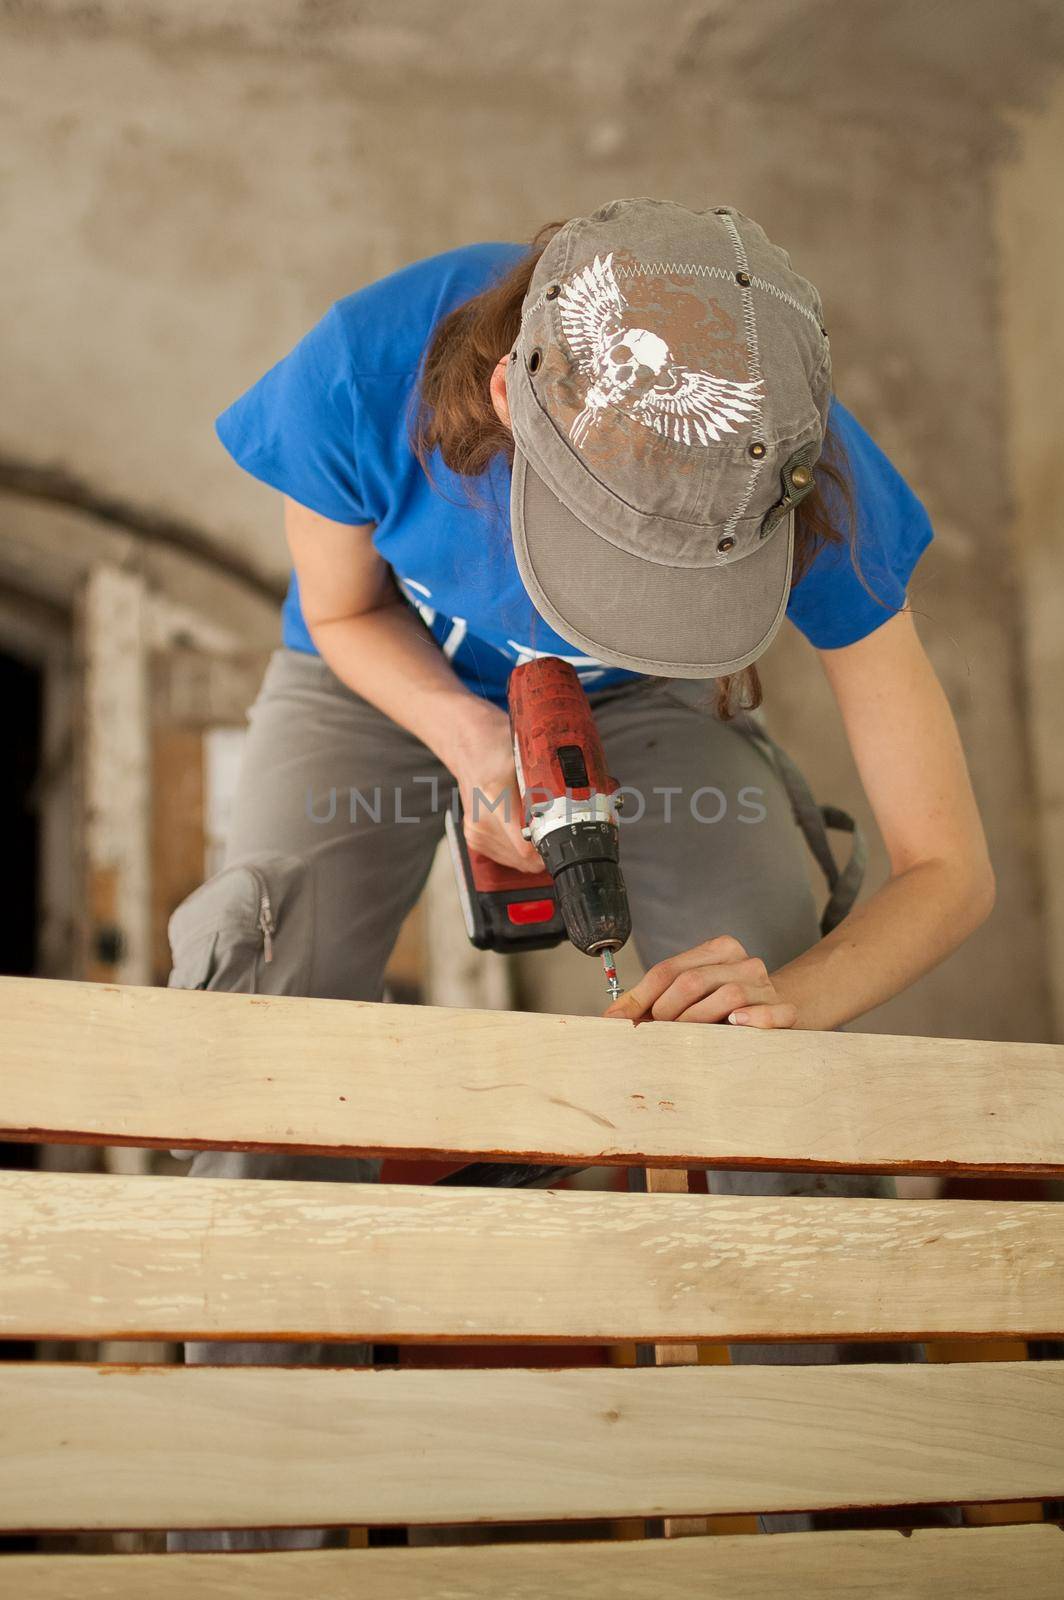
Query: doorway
pixel 22 699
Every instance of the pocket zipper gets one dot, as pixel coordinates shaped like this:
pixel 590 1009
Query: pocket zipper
pixel 267 925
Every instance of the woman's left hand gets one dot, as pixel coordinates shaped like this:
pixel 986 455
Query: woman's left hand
pixel 715 982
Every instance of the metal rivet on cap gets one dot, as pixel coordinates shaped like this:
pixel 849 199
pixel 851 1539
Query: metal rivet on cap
pixel 535 359
pixel 801 476
pixel 552 292
pixel 757 450
pixel 725 544
pixel 743 278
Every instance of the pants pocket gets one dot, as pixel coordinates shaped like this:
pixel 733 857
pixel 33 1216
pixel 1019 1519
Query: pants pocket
pixel 247 930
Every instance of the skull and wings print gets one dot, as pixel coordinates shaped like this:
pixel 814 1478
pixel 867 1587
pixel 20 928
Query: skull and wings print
pixel 635 371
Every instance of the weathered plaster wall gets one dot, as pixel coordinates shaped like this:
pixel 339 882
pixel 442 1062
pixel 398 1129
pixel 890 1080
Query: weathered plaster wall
pixel 1030 195
pixel 189 186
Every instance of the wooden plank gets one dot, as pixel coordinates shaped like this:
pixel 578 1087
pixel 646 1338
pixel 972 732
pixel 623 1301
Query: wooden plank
pixel 626 1354
pixel 673 1180
pixel 988 1350
pixel 177 831
pixel 177 1447
pixel 933 1564
pixel 166 1067
pixel 96 1257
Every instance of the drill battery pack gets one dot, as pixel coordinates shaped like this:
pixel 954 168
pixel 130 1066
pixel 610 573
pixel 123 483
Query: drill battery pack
pixel 504 909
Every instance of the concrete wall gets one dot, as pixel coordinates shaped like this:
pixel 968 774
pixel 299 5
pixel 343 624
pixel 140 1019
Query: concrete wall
pixel 1030 208
pixel 190 185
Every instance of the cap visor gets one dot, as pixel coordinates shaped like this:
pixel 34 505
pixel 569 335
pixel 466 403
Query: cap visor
pixel 680 622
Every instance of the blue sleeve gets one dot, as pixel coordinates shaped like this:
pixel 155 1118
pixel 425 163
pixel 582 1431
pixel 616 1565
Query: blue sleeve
pixel 297 428
pixel 853 588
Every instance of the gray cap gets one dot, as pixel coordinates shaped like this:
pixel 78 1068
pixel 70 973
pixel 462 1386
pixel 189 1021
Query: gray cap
pixel 668 394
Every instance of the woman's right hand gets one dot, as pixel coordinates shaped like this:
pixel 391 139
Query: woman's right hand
pixel 484 769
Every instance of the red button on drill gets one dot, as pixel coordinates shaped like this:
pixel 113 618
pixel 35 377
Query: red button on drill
pixel 522 911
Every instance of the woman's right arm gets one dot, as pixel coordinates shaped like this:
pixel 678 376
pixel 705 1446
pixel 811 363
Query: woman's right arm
pixel 375 643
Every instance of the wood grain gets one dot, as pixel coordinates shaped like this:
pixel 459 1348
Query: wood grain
pixel 986 1564
pixel 172 1447
pixel 97 1257
pixel 673 1181
pixel 167 1067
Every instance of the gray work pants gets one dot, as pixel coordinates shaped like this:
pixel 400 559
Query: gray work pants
pixel 336 820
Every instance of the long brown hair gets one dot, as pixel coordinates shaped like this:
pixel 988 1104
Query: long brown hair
pixel 454 413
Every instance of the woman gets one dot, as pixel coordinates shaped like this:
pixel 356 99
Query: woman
pixel 618 446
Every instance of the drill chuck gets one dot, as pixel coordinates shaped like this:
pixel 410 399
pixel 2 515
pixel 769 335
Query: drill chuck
pixel 583 861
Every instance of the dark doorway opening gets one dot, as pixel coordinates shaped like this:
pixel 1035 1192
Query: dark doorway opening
pixel 21 697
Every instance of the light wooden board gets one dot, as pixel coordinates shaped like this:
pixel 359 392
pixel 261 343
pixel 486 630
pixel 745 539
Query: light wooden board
pixel 987 1564
pixel 674 1181
pixel 96 1257
pixel 104 1447
pixel 169 1067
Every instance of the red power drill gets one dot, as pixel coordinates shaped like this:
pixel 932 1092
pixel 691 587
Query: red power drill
pixel 570 808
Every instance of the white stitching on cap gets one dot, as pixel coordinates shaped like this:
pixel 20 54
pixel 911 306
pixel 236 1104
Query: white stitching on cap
pixel 659 269
pixel 788 299
pixel 748 301
pixel 640 269
pixel 690 269
pixel 737 242
pixel 541 300
pixel 754 354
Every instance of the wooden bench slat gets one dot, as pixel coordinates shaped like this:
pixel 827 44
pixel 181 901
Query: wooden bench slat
pixel 98 1257
pixel 116 1065
pixel 932 1564
pixel 146 1447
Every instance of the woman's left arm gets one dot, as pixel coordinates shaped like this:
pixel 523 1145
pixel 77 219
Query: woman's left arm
pixel 941 884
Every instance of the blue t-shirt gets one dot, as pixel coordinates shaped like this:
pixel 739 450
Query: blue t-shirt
pixel 329 426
